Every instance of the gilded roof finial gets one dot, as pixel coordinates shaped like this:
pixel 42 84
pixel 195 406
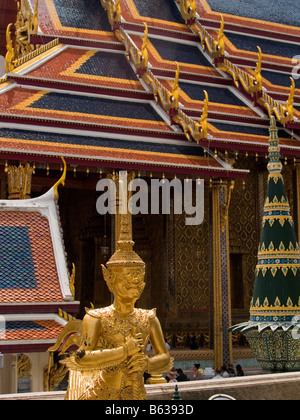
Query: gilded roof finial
pixel 258 76
pixel 145 55
pixel 290 102
pixel 175 87
pixel 34 25
pixel 62 179
pixel 203 121
pixel 221 42
pixel 274 164
pixel 188 9
pixel 10 54
pixel 124 255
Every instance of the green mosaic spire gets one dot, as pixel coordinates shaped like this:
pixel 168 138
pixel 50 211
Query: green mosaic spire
pixel 276 295
pixel 273 328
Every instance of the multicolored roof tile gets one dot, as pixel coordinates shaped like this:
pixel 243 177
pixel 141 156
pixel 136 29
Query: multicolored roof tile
pixel 34 277
pixel 33 266
pixel 31 330
pixel 28 271
pixel 29 333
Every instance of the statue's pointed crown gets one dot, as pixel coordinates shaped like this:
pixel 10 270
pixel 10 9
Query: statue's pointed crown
pixel 125 254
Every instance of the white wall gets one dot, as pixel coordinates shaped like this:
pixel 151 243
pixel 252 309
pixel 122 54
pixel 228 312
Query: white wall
pixel 2 66
pixel 8 377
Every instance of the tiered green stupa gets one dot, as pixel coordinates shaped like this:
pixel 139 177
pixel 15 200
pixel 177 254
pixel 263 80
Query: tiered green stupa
pixel 273 331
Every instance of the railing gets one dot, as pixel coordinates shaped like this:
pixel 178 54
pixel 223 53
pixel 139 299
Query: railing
pixel 3 79
pixel 36 53
pixel 169 100
pixel 240 77
pixel 114 13
pixel 207 41
pixel 250 84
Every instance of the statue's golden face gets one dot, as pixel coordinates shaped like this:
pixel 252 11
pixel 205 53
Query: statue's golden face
pixel 126 282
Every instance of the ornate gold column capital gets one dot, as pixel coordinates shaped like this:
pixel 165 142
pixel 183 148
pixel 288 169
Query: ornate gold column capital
pixel 19 181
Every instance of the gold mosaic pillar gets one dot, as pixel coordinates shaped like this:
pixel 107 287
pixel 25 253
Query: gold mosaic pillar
pixel 221 194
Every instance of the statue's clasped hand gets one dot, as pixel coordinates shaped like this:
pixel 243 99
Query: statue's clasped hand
pixel 135 344
pixel 137 360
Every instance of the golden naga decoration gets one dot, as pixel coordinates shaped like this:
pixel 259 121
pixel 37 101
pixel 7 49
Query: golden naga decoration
pixel 53 375
pixel 188 10
pixel 256 84
pixel 22 44
pixel 219 45
pixel 215 48
pixel 194 129
pixel 114 12
pixel 289 112
pixel 33 22
pixel 283 113
pixel 203 120
pixel 169 100
pixel 10 54
pixel 174 98
pixel 23 366
pixel 111 357
pixel 249 82
pixel 26 24
pixel 72 280
pixel 143 56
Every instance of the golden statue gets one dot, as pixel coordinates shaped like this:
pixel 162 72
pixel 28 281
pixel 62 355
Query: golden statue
pixel 10 54
pixel 111 359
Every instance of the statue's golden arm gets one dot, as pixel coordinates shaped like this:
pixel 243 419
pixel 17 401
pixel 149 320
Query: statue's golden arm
pixel 91 331
pixel 87 356
pixel 160 363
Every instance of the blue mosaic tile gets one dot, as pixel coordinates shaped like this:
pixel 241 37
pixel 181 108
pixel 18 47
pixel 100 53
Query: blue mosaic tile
pixel 108 64
pixel 100 142
pixel 280 79
pixel 249 43
pixel 16 261
pixel 23 326
pixel 82 14
pixel 181 53
pixel 97 106
pixel 159 9
pixel 215 94
pixel 286 12
pixel 258 131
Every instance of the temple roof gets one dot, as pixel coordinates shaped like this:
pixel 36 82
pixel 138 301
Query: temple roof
pixel 34 277
pixel 30 332
pixel 32 256
pixel 85 86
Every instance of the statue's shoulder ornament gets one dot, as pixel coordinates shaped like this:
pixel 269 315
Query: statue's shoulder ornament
pixel 99 312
